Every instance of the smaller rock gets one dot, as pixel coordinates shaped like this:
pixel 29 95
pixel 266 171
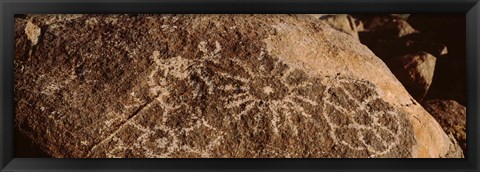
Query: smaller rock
pixel 371 22
pixel 399 28
pixel 342 22
pixel 387 22
pixel 384 27
pixel 415 72
pixel 451 116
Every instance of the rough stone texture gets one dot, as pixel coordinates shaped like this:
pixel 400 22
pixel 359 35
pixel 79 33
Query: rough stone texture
pixel 415 72
pixel 342 22
pixel 452 117
pixel 211 86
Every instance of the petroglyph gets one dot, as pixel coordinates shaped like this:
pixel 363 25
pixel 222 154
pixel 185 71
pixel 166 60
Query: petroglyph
pixel 260 102
pixel 33 32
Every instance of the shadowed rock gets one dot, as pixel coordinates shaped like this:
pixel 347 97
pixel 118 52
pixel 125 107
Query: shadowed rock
pixel 415 72
pixel 211 86
pixel 383 27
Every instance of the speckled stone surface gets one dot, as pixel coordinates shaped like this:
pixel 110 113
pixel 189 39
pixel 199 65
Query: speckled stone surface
pixel 210 86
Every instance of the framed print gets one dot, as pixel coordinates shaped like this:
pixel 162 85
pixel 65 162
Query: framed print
pixel 239 85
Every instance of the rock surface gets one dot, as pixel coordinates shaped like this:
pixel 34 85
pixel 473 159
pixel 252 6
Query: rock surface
pixel 211 86
pixel 452 117
pixel 415 72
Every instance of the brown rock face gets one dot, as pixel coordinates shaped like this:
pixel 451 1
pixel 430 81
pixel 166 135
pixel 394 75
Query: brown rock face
pixel 451 116
pixel 211 86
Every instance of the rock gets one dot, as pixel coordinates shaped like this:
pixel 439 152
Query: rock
pixel 212 86
pixel 342 22
pixel 415 72
pixel 451 116
pixel 383 27
pixel 398 28
pixel 392 26
pixel 374 21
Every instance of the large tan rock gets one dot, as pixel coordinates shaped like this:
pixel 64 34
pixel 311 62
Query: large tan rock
pixel 212 86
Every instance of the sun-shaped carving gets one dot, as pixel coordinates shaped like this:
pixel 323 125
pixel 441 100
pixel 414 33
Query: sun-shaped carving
pixel 263 86
pixel 260 86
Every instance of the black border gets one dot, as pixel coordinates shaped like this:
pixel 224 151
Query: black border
pixel 10 7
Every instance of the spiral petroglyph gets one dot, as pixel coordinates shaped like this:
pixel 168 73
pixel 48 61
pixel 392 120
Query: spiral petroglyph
pixel 262 95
